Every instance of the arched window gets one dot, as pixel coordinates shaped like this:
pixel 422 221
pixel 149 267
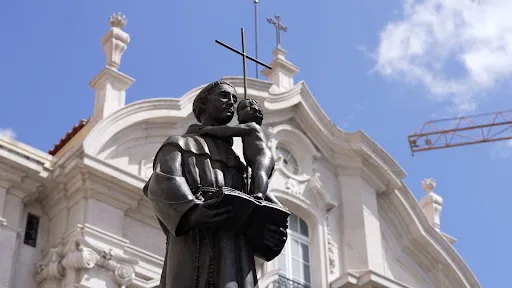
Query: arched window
pixel 289 161
pixel 294 260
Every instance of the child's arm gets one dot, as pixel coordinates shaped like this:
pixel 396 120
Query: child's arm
pixel 238 130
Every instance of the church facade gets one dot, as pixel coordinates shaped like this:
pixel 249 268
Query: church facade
pixel 76 216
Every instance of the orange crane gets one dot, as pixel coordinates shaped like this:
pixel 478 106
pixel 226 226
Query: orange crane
pixel 461 131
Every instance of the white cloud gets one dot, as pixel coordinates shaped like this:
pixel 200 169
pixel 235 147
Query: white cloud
pixel 7 132
pixel 457 49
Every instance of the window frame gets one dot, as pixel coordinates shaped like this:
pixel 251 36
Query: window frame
pixel 289 257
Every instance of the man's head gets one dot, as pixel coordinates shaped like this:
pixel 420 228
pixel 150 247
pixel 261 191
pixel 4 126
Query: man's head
pixel 248 110
pixel 214 105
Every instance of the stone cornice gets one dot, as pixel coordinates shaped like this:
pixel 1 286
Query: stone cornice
pixel 145 213
pixel 15 150
pixel 21 181
pixel 367 279
pixel 362 139
pixel 85 176
pixel 420 240
pixel 323 199
pixel 362 168
pixel 111 75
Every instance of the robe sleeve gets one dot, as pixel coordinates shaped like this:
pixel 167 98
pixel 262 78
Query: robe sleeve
pixel 168 190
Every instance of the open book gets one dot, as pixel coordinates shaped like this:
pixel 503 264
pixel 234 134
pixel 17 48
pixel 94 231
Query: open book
pixel 251 217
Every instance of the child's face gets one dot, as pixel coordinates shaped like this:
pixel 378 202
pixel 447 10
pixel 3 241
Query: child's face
pixel 249 111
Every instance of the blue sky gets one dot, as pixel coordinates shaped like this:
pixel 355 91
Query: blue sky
pixel 381 66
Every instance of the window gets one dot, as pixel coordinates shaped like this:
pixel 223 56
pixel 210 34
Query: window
pixel 289 162
pixel 31 230
pixel 294 260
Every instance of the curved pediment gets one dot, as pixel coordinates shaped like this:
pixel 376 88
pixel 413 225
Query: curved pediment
pixel 328 137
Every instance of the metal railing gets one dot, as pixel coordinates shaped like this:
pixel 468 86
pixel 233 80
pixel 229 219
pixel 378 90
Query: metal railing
pixel 283 282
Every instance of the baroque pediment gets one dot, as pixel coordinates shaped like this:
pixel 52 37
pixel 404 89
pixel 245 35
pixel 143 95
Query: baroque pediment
pixel 134 148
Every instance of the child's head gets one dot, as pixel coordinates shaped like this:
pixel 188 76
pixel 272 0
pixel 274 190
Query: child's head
pixel 248 110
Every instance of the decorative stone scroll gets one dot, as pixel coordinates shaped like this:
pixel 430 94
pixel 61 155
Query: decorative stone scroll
pixel 124 274
pixel 332 250
pixel 292 186
pixel 76 254
pixel 51 268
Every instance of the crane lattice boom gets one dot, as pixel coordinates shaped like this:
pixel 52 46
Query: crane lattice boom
pixel 466 130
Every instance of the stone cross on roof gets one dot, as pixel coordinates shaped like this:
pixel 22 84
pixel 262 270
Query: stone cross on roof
pixel 276 21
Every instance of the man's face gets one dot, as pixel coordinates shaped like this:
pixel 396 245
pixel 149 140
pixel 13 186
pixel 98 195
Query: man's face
pixel 221 104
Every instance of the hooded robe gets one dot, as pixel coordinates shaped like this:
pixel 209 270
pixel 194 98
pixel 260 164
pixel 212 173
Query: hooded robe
pixel 199 258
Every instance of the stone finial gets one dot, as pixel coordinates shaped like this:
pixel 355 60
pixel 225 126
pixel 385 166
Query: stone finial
pixel 118 20
pixel 431 204
pixel 428 185
pixel 115 41
pixel 111 84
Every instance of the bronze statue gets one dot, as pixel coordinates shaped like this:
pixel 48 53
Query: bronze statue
pixel 202 249
pixel 256 153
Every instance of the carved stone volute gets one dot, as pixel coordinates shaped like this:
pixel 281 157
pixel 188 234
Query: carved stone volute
pixel 77 254
pixel 51 267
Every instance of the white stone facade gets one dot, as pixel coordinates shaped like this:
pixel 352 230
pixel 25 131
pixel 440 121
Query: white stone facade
pixel 357 224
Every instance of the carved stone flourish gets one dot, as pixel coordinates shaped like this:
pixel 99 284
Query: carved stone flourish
pixel 118 20
pixel 124 275
pixel 115 41
pixel 74 255
pixel 50 268
pixel 332 249
pixel 78 256
pixel 292 186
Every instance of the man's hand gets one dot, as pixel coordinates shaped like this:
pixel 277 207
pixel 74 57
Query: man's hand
pixel 275 237
pixel 206 216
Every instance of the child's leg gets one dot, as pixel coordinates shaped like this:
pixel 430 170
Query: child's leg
pixel 259 177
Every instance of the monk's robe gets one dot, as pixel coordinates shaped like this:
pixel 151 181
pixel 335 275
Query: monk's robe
pixel 199 258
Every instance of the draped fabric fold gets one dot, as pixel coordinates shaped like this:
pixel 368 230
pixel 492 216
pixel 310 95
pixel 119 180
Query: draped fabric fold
pixel 199 258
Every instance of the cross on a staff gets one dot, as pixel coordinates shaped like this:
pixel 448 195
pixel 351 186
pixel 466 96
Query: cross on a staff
pixel 244 57
pixel 277 23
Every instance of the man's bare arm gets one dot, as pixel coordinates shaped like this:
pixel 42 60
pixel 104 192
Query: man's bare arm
pixel 238 130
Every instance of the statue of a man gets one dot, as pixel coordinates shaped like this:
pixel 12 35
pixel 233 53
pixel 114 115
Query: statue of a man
pixel 199 252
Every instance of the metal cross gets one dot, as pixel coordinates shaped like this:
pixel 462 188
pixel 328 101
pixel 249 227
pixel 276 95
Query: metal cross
pixel 244 57
pixel 277 23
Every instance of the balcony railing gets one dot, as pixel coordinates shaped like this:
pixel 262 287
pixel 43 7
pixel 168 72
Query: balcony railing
pixel 283 282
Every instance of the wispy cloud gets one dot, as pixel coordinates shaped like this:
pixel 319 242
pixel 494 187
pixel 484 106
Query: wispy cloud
pixel 457 49
pixel 502 150
pixel 7 132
